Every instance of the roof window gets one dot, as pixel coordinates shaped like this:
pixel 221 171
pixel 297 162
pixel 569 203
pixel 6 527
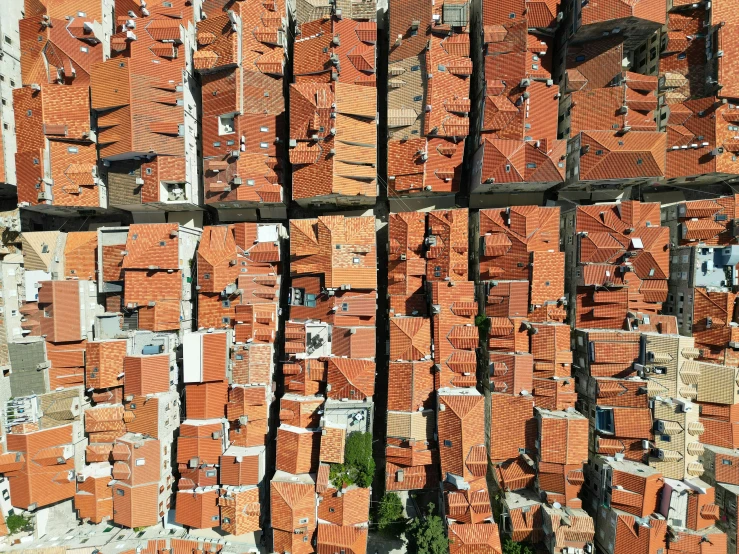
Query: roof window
pixel 225 124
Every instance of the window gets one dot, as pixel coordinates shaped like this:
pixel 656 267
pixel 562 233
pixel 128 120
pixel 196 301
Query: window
pixel 44 248
pixel 665 438
pixel 140 462
pixel 29 113
pixel 344 306
pixel 120 492
pixel 148 171
pixel 210 473
pixel 214 518
pixel 226 520
pixel 303 520
pixel 507 168
pixel 132 406
pixel 72 149
pixel 726 462
pixel 206 276
pixel 226 304
pixel 332 510
pixel 437 271
pixel 580 58
pixel 447 443
pixel 226 125
pixel 226 320
pixel 84 49
pixel 8 39
pixel 599 152
pixel 639 161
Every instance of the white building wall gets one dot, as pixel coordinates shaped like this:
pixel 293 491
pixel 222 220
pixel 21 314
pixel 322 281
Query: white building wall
pixel 10 70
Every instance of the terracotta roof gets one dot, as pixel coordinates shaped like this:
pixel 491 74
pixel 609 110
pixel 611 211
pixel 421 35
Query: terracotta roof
pixel 461 445
pixel 350 378
pixel 634 155
pixel 410 338
pixel 39 464
pixel 343 162
pixel 563 437
pixel 482 537
pixel 342 249
pixel 349 538
pixel 351 507
pixel 291 502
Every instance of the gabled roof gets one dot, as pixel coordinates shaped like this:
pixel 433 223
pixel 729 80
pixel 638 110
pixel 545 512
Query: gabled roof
pixel 461 443
pixel 354 379
pixel 351 507
pixel 652 11
pixel 330 245
pixel 349 538
pixel 482 537
pixel 343 161
pixel 58 56
pixel 563 437
pixel 152 244
pixel 634 155
pixel 291 502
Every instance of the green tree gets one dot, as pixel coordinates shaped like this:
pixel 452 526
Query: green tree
pixel 18 522
pixel 390 510
pixel 358 458
pixel 511 547
pixel 426 534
